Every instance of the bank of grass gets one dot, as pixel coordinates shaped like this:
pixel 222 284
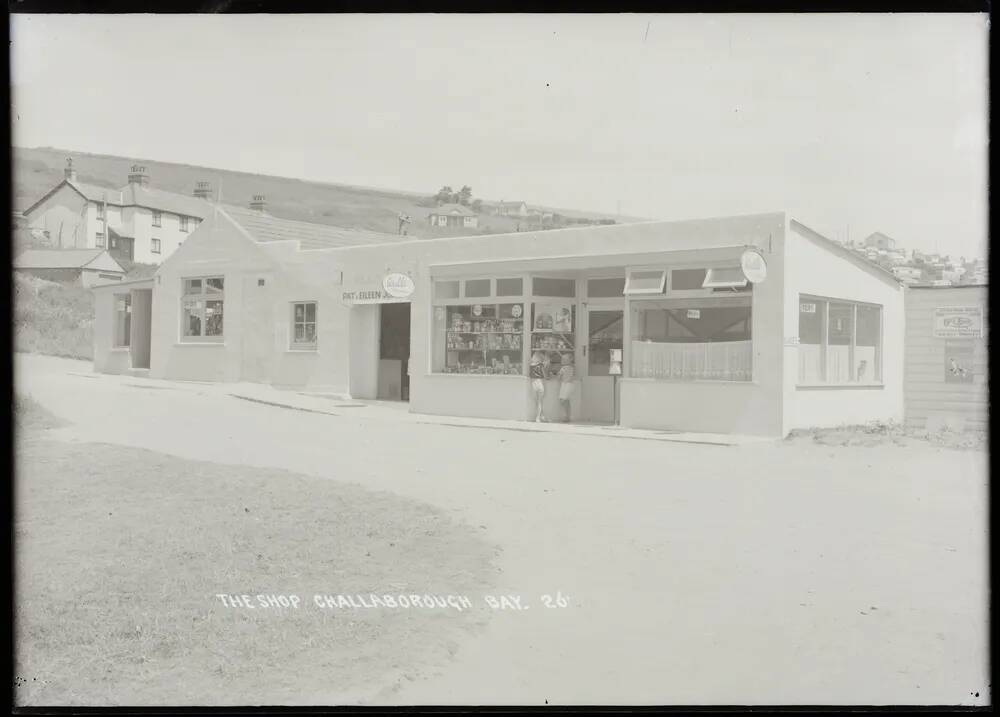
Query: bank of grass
pixel 120 554
pixel 880 433
pixel 53 318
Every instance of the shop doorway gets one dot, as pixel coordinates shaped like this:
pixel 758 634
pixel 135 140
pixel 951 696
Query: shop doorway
pixel 141 324
pixel 603 332
pixel 394 352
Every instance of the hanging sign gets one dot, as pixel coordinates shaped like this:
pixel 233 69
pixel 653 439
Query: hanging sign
pixel 951 322
pixel 753 265
pixel 807 308
pixel 399 286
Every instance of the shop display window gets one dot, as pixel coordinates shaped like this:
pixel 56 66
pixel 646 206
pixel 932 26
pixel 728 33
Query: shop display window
pixel 689 339
pixel 553 328
pixel 839 342
pixel 479 339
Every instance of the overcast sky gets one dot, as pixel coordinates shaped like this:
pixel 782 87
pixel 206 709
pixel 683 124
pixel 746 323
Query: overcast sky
pixel 872 122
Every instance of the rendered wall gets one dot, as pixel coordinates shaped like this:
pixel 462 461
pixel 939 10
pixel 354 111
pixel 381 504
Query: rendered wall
pixel 220 250
pixel 814 270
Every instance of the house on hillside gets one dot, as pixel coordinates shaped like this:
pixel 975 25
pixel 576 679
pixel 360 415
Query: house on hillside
pixel 511 209
pixel 135 222
pixel 87 267
pixel 455 216
pixel 908 274
pixel 878 240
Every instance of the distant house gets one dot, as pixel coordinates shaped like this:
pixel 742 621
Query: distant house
pixel 908 274
pixel 878 240
pixel 136 222
pixel 512 209
pixel 86 267
pixel 453 216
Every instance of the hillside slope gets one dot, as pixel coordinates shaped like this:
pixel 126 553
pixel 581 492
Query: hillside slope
pixel 36 170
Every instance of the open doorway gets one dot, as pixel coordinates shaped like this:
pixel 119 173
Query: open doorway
pixel 394 352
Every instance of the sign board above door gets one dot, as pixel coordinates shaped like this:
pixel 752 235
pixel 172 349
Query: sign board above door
pixel 393 288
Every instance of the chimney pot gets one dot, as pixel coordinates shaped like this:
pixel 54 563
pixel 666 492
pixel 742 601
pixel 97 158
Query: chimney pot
pixel 69 172
pixel 138 175
pixel 257 203
pixel 203 190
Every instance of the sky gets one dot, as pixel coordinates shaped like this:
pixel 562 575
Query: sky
pixel 851 123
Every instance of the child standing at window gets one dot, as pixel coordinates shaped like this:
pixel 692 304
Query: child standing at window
pixel 537 372
pixel 567 377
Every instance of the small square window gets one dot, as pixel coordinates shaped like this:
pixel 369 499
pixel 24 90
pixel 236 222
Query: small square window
pixel 728 277
pixel 645 282
pixel 155 246
pixel 260 282
pixel 544 286
pixel 687 279
pixel 475 288
pixel 510 287
pixel 157 219
pixel 446 289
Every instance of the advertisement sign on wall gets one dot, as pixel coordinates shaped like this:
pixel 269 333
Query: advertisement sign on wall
pixel 958 357
pixel 958 322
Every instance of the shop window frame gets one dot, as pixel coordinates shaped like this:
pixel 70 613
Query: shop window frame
pixel 824 382
pixel 434 303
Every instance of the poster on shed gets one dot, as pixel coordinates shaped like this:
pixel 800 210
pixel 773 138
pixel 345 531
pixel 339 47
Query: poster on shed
pixel 958 357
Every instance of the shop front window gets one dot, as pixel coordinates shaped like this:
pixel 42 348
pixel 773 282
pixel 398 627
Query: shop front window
pixel 553 329
pixel 692 339
pixel 479 339
pixel 840 342
pixel 202 309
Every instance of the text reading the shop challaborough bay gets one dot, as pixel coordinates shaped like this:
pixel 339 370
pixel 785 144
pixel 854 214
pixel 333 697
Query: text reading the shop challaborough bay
pixel 390 601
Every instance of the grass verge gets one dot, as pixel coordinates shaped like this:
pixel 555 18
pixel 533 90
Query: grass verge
pixel 120 554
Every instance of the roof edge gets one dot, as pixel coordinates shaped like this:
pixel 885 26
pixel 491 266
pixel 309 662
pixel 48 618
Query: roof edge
pixel 834 248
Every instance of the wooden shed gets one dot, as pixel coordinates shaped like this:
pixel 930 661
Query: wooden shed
pixel 946 375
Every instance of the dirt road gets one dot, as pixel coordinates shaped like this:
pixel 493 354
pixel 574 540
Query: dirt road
pixel 759 574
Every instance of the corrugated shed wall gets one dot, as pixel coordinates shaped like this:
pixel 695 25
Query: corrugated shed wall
pixel 932 401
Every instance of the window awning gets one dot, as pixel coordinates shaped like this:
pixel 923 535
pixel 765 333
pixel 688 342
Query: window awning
pixel 723 278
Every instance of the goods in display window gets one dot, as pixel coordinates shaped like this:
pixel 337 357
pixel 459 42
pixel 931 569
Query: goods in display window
pixel 484 339
pixel 553 325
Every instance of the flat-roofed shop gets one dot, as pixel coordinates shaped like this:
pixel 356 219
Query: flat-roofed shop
pixel 664 327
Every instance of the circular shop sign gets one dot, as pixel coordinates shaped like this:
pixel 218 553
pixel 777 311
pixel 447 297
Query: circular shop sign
pixel 398 286
pixel 516 311
pixel 753 265
pixel 477 310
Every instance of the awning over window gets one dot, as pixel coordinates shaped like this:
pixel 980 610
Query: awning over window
pixel 727 277
pixel 645 282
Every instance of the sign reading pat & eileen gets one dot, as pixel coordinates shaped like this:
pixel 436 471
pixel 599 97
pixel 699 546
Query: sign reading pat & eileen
pixel 951 322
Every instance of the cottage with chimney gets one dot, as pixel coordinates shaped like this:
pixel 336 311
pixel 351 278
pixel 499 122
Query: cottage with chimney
pixel 135 222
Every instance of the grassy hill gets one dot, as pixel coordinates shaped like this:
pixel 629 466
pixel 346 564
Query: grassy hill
pixel 36 170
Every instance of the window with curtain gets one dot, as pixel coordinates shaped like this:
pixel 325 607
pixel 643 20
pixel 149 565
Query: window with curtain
pixel 304 325
pixel 840 342
pixel 689 339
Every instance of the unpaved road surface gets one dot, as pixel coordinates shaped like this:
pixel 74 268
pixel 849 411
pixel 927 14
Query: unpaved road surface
pixel 775 573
